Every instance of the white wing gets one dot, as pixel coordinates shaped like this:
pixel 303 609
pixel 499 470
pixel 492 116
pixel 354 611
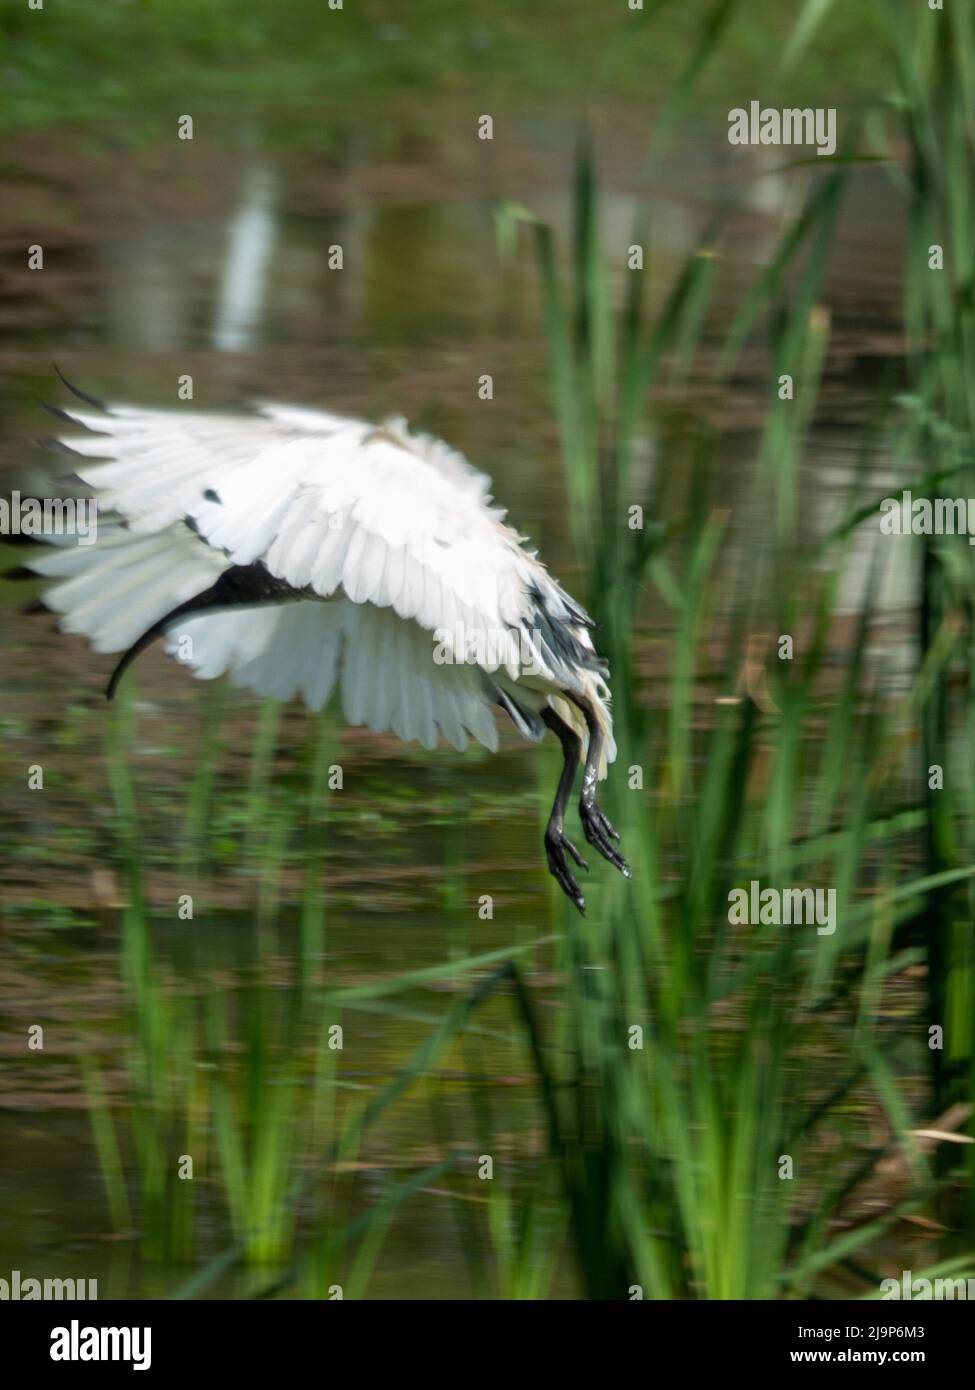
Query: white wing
pixel 392 536
pixel 382 665
pixel 328 504
pixel 114 591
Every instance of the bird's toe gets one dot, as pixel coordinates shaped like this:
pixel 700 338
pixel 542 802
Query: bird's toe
pixel 556 845
pixel 598 830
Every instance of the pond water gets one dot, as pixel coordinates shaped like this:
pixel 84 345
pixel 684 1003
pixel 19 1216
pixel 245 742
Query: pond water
pixel 186 258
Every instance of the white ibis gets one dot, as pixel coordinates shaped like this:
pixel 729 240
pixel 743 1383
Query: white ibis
pixel 296 551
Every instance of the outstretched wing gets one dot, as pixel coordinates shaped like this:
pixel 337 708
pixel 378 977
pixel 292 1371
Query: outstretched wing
pixel 380 664
pixel 116 590
pixel 328 505
pixel 370 539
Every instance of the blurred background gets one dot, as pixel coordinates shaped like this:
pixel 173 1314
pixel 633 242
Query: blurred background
pixel 674 1107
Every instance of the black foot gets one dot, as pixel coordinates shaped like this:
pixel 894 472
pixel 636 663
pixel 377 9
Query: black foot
pixel 556 844
pixel 599 832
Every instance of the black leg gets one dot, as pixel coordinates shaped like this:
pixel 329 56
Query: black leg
pixel 556 840
pixel 595 823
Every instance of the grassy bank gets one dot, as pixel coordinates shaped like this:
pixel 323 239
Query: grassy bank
pixel 286 64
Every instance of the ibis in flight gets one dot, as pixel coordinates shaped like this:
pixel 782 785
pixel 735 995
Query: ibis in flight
pixel 296 551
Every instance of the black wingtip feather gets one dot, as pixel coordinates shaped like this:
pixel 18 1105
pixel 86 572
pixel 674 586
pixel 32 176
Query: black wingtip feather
pixel 76 391
pixel 54 445
pixel 58 413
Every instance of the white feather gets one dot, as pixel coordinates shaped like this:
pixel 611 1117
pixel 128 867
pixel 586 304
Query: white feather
pixel 393 533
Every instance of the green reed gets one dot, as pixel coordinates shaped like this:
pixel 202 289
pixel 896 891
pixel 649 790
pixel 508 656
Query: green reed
pixel 234 1070
pixel 240 1078
pixel 936 118
pixel 720 1103
pixel 671 1155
